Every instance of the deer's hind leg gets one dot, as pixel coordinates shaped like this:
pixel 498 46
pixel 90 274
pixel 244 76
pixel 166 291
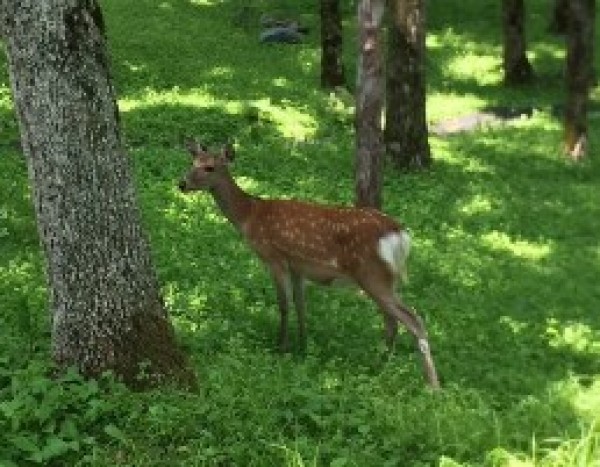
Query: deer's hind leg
pixel 381 290
pixel 415 325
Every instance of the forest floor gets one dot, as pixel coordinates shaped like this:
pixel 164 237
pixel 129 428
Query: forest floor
pixel 505 267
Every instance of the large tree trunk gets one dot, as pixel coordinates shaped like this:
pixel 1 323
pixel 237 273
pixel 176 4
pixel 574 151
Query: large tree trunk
pixel 332 65
pixel 106 310
pixel 369 105
pixel 580 65
pixel 406 121
pixel 517 69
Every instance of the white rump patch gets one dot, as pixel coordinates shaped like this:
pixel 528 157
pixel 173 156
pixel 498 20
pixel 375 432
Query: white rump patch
pixel 393 248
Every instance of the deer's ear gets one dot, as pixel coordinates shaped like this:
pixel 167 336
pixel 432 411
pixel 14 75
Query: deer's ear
pixel 228 152
pixel 194 147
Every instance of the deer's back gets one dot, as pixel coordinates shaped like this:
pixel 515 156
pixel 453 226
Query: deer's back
pixel 317 235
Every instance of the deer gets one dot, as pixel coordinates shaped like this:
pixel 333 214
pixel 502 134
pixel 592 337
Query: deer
pixel 299 241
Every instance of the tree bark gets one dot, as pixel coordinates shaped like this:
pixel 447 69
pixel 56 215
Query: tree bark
pixel 406 121
pixel 558 22
pixel 517 69
pixel 332 65
pixel 579 76
pixel 107 313
pixel 369 105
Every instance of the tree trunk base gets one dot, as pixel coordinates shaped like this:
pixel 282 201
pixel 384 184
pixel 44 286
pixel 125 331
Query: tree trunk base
pixel 579 76
pixel 520 73
pixel 575 142
pixel 157 357
pixel 143 357
pixel 420 158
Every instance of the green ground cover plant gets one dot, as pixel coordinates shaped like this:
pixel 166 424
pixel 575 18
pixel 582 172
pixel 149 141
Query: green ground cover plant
pixel 505 267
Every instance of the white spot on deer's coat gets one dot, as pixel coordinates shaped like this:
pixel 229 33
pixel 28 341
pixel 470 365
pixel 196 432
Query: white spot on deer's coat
pixel 393 248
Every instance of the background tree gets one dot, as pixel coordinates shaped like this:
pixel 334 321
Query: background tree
pixel 332 66
pixel 369 104
pixel 558 22
pixel 580 64
pixel 405 118
pixel 106 309
pixel 517 69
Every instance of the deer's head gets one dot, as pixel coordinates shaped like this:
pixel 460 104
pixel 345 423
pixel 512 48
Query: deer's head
pixel 207 168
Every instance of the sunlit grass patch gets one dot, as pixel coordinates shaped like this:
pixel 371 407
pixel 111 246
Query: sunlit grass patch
pixel 206 2
pixel 518 247
pixel 587 401
pixel 576 336
pixel 486 70
pixel 290 122
pixel 478 204
pixel 449 104
pixel 543 50
pixel 581 451
pixel 5 97
pixel 151 97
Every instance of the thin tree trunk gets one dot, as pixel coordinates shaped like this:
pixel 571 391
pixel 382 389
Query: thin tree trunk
pixel 580 57
pixel 332 66
pixel 406 121
pixel 369 105
pixel 558 22
pixel 517 69
pixel 106 310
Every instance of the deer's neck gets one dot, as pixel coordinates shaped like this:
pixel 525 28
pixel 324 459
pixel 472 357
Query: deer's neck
pixel 234 202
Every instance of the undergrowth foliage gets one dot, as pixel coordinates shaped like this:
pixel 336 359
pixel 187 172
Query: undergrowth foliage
pixel 504 268
pixel 44 420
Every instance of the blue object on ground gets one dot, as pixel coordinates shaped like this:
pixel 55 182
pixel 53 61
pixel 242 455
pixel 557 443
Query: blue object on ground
pixel 282 34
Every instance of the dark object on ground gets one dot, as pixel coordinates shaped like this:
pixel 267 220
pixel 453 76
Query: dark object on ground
pixel 281 34
pixel 282 31
pixel 488 116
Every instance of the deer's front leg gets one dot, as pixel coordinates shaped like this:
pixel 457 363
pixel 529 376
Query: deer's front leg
pixel 298 290
pixel 382 293
pixel 281 278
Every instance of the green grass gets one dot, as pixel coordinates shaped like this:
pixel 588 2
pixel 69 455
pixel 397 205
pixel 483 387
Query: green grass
pixel 505 269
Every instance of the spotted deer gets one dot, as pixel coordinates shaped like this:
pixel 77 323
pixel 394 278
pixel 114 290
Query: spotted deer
pixel 300 240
